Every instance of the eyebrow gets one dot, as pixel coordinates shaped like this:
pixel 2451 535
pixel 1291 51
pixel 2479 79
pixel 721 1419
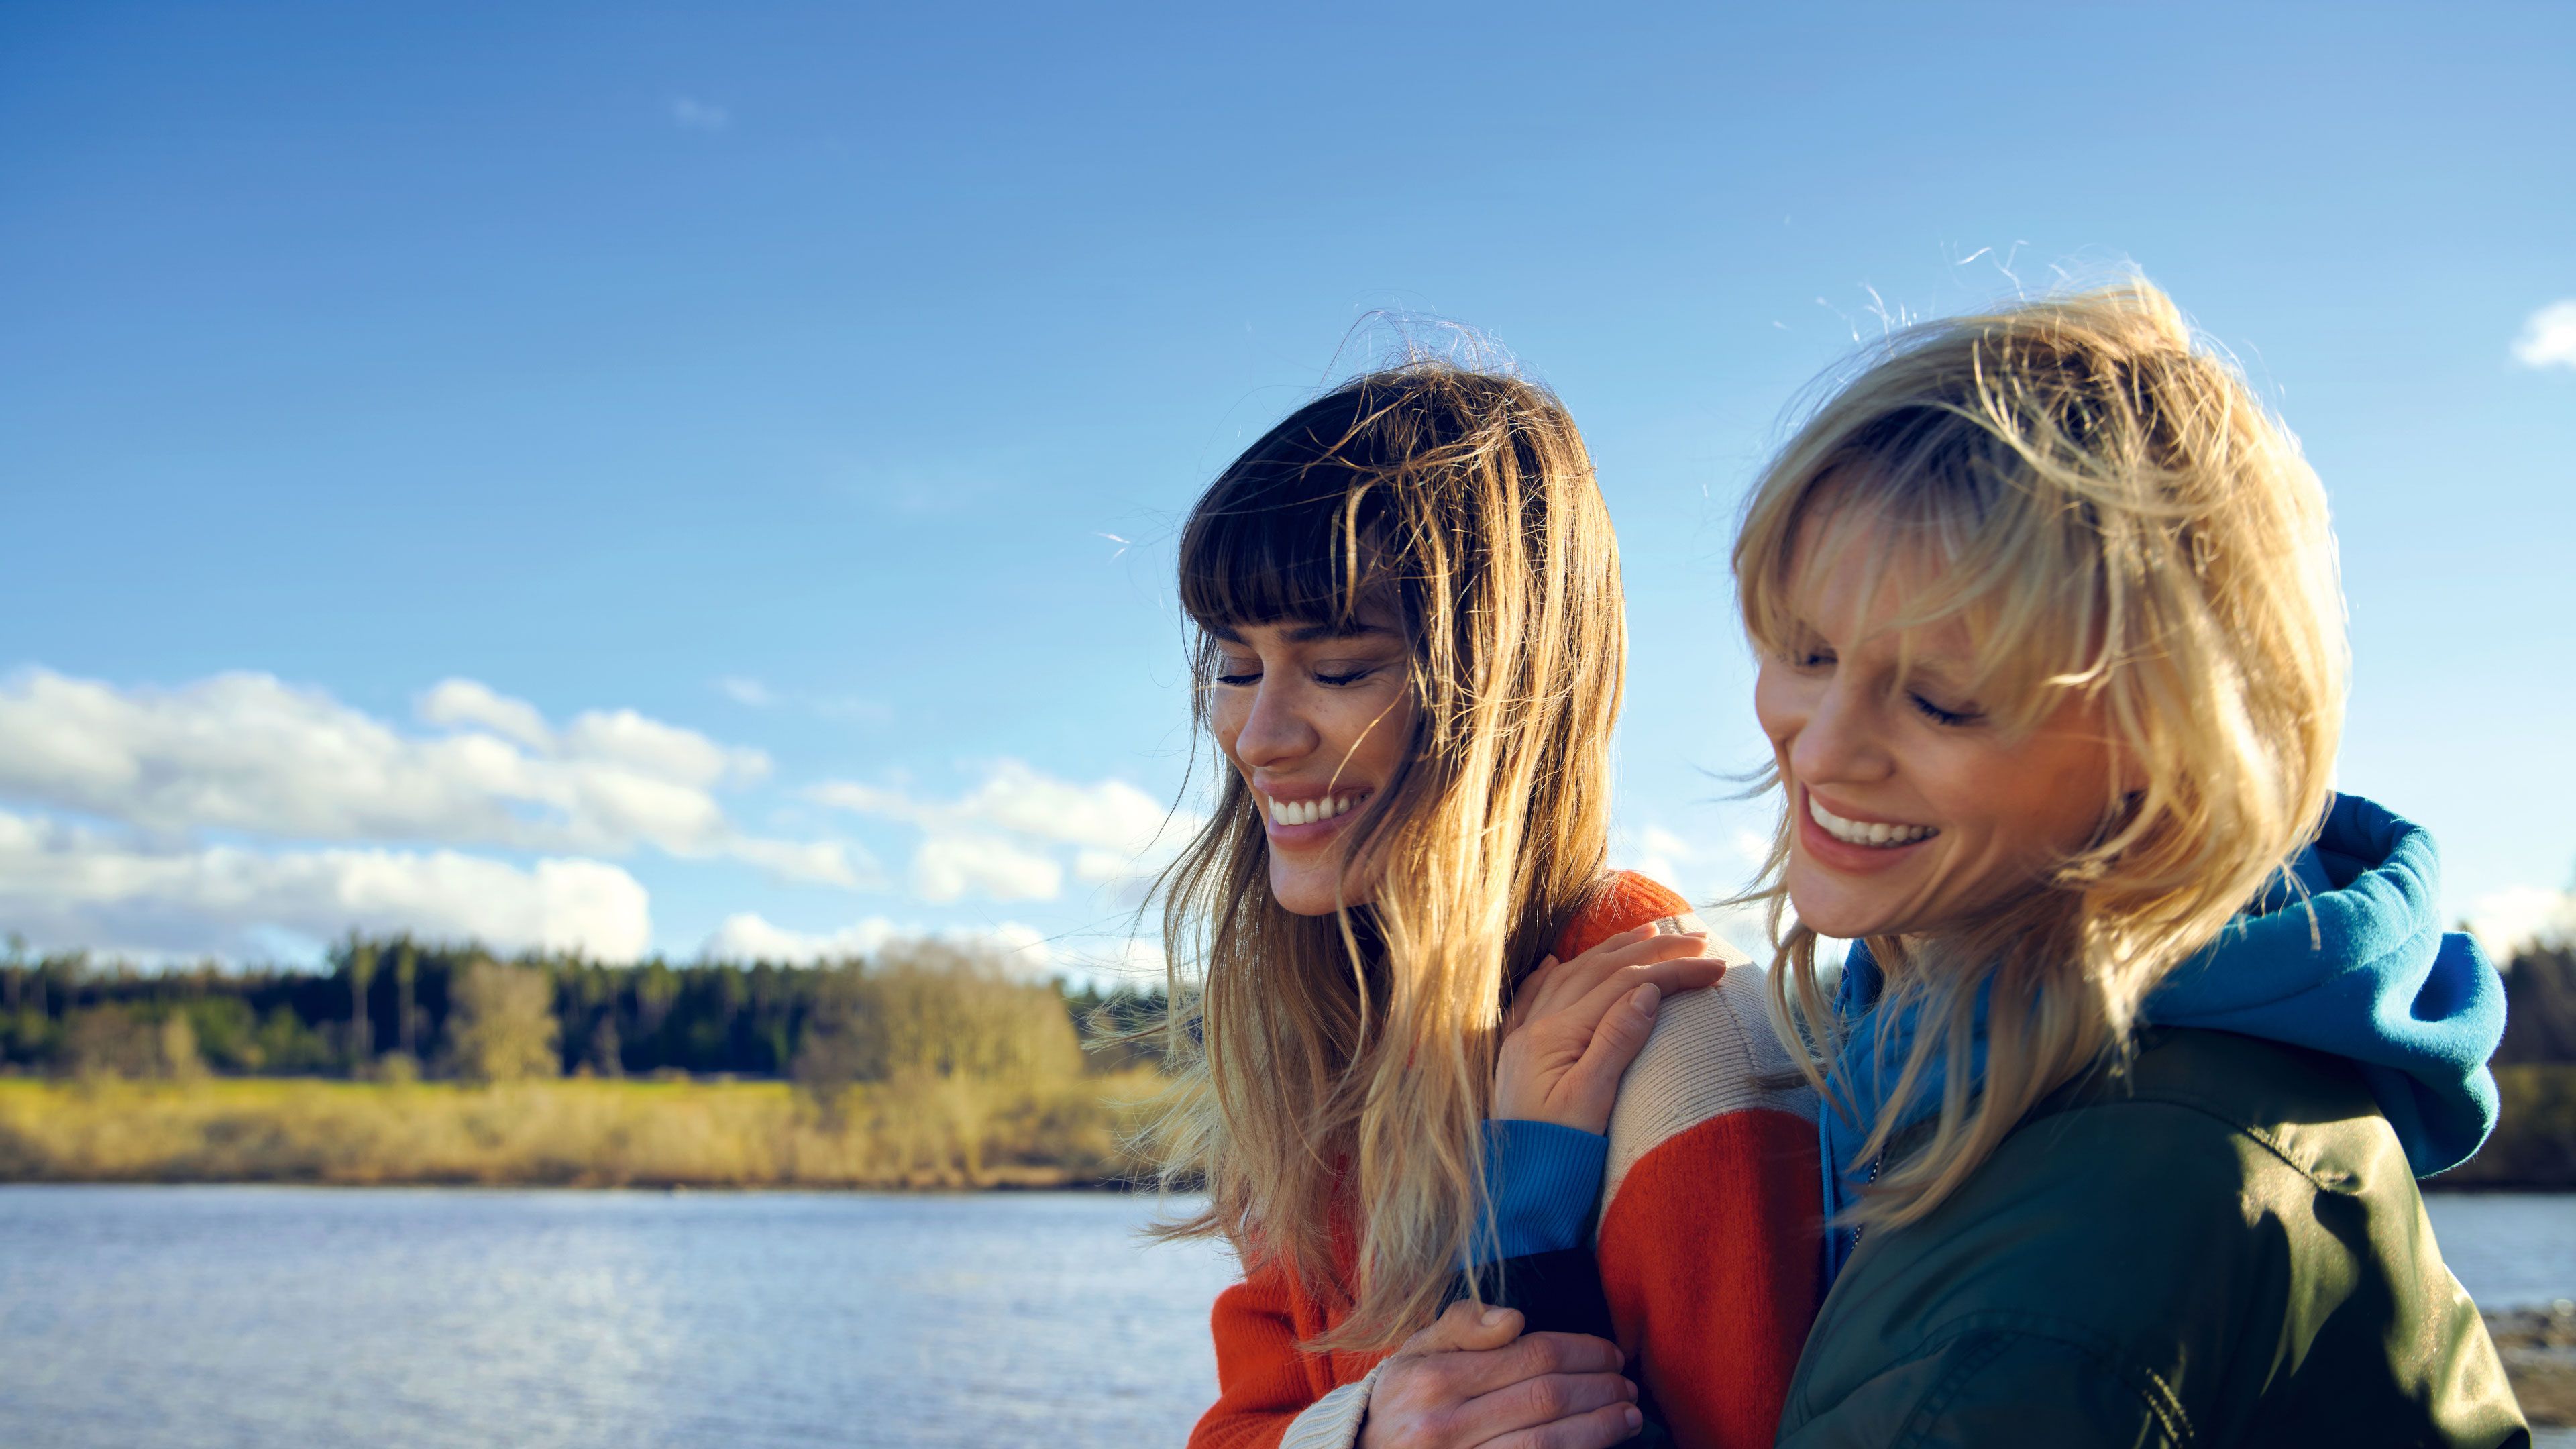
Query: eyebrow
pixel 1309 633
pixel 1941 667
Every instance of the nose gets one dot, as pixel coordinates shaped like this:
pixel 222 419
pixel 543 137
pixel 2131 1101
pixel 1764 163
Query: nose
pixel 1839 742
pixel 1275 731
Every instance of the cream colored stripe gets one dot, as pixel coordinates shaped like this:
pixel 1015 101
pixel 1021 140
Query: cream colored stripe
pixel 1333 1421
pixel 1712 1052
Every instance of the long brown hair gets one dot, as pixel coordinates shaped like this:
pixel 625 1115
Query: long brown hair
pixel 1336 1068
pixel 2114 514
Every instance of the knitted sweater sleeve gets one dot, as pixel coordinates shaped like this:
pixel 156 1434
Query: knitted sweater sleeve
pixel 1706 1253
pixel 1711 1233
pixel 1269 1389
pixel 1271 1394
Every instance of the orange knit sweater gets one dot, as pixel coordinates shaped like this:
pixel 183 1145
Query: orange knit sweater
pixel 1707 1237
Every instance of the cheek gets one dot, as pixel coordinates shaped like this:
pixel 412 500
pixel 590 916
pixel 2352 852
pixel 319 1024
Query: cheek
pixel 1226 714
pixel 1376 732
pixel 2039 799
pixel 1772 706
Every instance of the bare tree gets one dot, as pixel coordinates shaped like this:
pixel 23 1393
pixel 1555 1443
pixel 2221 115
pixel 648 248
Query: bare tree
pixel 502 1026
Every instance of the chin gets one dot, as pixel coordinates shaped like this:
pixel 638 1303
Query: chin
pixel 1301 897
pixel 1832 913
pixel 1311 895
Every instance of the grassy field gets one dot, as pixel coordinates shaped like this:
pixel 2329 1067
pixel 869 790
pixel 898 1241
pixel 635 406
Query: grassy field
pixel 572 1132
pixel 598 1133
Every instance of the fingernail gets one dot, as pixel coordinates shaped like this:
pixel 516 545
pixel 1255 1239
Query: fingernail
pixel 1647 996
pixel 1635 1419
pixel 1494 1317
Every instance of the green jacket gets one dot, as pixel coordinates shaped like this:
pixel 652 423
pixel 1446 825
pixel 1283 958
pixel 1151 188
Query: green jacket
pixel 2220 1244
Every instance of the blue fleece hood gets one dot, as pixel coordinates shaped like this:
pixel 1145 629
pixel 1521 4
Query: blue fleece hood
pixel 2361 969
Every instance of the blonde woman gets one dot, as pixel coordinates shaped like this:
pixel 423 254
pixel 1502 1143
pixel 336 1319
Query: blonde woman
pixel 1411 652
pixel 2148 1033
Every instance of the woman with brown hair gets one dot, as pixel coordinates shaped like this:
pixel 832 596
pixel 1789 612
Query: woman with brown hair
pixel 1411 649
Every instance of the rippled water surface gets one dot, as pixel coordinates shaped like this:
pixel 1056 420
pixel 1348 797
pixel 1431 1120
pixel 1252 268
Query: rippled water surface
pixel 173 1318
pixel 2509 1249
pixel 389 1319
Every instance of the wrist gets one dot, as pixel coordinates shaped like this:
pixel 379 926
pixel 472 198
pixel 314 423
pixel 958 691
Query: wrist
pixel 1541 1180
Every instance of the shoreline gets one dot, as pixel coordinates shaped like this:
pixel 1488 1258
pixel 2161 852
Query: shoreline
pixel 589 1133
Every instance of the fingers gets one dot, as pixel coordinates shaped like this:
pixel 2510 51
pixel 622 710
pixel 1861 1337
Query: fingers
pixel 1668 977
pixel 1532 1356
pixel 1545 1400
pixel 1599 1429
pixel 1466 1328
pixel 1590 1088
pixel 1578 977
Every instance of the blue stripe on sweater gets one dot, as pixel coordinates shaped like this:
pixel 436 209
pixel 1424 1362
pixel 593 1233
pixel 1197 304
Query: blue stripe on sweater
pixel 1542 1180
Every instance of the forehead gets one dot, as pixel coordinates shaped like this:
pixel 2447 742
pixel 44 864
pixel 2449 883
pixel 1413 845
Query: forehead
pixel 1857 579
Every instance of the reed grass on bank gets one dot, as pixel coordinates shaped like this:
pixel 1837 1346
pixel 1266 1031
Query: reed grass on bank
pixel 567 1132
pixel 580 1132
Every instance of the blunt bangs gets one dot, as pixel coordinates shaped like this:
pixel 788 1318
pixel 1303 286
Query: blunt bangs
pixel 1302 525
pixel 1275 541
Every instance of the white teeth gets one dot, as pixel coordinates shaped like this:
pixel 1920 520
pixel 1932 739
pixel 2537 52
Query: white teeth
pixel 1307 812
pixel 1857 832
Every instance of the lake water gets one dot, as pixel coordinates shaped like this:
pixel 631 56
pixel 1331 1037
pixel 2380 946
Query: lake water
pixel 175 1318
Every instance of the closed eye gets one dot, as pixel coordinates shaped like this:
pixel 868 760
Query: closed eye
pixel 1940 716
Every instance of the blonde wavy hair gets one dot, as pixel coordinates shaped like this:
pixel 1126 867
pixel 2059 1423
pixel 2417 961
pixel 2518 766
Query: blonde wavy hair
pixel 2111 512
pixel 1333 1070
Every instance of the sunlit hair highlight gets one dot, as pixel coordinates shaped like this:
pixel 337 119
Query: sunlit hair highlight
pixel 1335 1069
pixel 2112 514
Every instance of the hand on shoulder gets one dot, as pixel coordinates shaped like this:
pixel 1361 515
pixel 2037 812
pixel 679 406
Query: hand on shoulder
pixel 1574 1026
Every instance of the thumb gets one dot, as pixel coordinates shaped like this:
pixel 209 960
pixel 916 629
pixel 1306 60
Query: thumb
pixel 1467 1327
pixel 1590 1087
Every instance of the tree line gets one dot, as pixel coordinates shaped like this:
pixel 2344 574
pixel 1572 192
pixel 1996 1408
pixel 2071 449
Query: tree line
pixel 397 1008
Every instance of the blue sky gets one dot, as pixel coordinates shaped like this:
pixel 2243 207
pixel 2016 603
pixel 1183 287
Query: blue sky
pixel 706 474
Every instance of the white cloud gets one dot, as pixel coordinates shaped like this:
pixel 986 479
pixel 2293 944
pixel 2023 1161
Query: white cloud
pixel 861 799
pixel 691 114
pixel 669 752
pixel 1004 836
pixel 1110 814
pixel 749 937
pixel 814 862
pixel 2505 921
pixel 949 867
pixel 64 885
pixel 1107 814
pixel 750 693
pixel 2548 337
pixel 465 702
pixel 248 752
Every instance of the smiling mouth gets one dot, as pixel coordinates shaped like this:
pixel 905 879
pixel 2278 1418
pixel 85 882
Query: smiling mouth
pixel 1864 832
pixel 1310 812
